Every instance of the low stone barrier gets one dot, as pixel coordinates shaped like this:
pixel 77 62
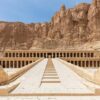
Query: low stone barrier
pixel 3 75
pixel 7 89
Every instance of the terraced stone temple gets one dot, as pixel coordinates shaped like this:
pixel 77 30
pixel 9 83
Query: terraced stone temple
pixel 50 72
pixel 20 58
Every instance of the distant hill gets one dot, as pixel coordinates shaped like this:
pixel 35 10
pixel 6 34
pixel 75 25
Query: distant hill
pixel 68 29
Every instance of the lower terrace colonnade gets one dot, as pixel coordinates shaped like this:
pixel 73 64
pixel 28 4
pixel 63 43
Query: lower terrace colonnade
pixel 14 64
pixel 21 63
pixel 86 63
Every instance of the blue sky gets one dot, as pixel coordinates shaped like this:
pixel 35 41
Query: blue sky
pixel 29 11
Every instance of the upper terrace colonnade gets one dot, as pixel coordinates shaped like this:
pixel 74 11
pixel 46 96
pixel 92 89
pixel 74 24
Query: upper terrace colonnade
pixel 50 53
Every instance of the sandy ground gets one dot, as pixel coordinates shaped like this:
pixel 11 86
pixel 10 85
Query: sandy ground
pixel 51 98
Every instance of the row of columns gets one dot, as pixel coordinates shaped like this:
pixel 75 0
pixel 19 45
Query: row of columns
pixel 18 64
pixel 14 64
pixel 49 55
pixel 86 63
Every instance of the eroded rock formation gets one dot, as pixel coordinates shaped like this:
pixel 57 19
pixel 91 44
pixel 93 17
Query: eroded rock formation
pixel 68 28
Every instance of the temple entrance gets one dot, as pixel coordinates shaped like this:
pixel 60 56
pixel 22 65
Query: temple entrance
pixel 49 55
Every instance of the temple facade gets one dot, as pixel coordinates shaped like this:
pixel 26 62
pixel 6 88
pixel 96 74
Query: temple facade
pixel 20 58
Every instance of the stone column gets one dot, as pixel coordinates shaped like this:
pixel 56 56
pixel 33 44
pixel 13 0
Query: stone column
pixel 28 54
pixel 13 64
pixel 8 64
pixel 16 64
pixel 1 63
pixel 96 64
pixel 22 54
pixel 89 63
pixel 84 63
pixel 79 54
pixel 24 63
pixel 55 54
pixel 11 54
pixel 5 64
pixel 72 54
pixel 21 63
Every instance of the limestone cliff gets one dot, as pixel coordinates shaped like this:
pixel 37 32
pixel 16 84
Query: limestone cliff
pixel 68 28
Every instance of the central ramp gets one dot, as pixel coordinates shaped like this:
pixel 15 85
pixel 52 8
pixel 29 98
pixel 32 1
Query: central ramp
pixel 50 82
pixel 50 74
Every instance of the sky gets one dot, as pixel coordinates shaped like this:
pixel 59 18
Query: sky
pixel 29 11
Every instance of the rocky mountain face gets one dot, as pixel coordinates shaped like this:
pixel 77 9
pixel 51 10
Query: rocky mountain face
pixel 68 28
